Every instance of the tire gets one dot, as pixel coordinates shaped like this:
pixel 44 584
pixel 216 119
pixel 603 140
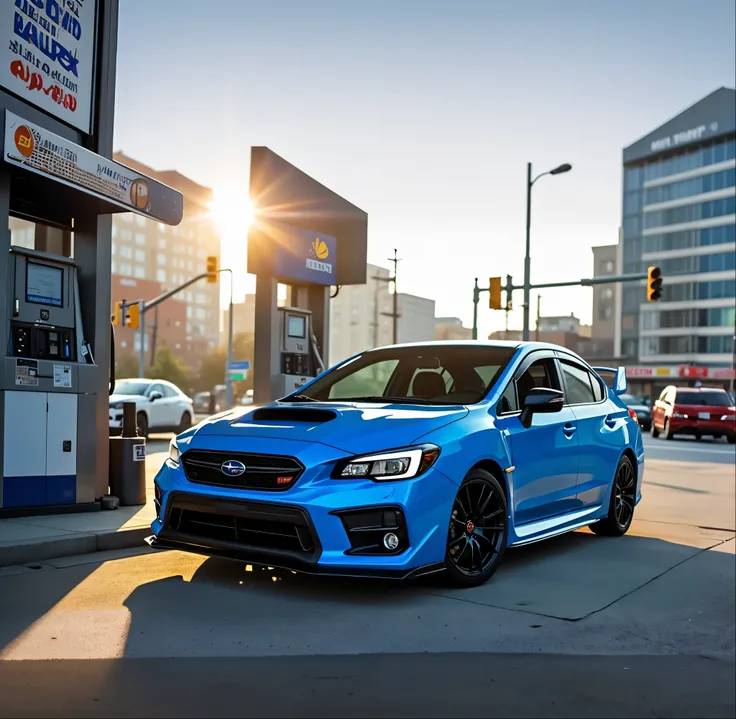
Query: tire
pixel 480 500
pixel 666 433
pixel 622 503
pixel 142 423
pixel 654 431
pixel 185 423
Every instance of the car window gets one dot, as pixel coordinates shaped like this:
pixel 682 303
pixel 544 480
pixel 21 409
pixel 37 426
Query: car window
pixel 370 381
pixel 541 373
pixel 156 388
pixel 578 384
pixel 714 398
pixel 599 392
pixel 169 391
pixel 445 376
pixel 130 387
pixel 508 402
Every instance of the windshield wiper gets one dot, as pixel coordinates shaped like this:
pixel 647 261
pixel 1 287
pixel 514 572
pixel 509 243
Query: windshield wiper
pixel 301 398
pixel 385 400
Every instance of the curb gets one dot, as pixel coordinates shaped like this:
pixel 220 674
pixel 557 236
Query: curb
pixel 72 544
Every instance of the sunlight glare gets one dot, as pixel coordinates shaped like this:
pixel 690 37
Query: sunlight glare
pixel 232 210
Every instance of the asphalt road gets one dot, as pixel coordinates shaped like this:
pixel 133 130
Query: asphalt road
pixel 581 625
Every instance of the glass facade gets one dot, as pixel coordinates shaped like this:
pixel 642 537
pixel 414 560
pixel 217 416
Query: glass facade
pixel 679 214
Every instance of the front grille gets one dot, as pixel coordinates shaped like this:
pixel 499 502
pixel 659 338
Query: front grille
pixel 260 526
pixel 270 473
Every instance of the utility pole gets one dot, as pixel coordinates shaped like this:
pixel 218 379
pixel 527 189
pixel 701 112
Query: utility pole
pixel 392 280
pixel 395 261
pixel 539 314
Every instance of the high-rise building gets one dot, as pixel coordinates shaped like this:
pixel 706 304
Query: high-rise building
pixel 605 301
pixel 162 257
pixel 679 213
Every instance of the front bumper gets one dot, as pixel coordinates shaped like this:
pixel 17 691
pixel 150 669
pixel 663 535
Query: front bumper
pixel 318 526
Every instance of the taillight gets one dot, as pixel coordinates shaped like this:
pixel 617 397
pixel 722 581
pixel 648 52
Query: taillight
pixel 632 414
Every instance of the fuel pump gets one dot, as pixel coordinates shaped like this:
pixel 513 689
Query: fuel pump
pixel 296 361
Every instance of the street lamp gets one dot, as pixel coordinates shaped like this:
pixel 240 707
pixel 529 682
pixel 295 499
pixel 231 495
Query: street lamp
pixel 566 167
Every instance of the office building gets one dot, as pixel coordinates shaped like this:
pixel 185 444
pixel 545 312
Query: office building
pixel 416 318
pixel 359 316
pixel 679 213
pixel 451 329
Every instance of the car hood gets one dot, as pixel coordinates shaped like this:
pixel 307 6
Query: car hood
pixel 125 398
pixel 350 427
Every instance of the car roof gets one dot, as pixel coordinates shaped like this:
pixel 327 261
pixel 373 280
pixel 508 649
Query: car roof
pixel 507 344
pixel 699 389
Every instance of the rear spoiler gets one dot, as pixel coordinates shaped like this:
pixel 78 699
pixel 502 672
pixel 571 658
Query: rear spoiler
pixel 614 378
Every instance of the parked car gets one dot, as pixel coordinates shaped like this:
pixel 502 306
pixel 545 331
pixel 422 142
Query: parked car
pixel 409 460
pixel 695 411
pixel 202 403
pixel 642 409
pixel 160 406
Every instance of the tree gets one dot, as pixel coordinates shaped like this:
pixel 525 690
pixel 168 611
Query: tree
pixel 212 371
pixel 169 368
pixel 126 367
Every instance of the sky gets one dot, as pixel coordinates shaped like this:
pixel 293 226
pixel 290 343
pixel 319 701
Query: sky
pixel 425 114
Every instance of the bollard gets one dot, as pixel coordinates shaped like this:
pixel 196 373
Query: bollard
pixel 128 462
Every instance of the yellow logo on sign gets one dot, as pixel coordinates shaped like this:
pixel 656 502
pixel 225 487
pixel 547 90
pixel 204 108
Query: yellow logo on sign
pixel 320 249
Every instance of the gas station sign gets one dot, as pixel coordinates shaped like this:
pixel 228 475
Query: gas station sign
pixel 47 56
pixel 35 149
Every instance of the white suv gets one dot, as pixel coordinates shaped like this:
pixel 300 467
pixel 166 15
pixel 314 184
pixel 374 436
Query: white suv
pixel 160 406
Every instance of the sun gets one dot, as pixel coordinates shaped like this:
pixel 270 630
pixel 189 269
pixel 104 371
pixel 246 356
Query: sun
pixel 233 211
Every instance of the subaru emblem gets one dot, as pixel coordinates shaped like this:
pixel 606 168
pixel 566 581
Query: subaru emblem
pixel 232 468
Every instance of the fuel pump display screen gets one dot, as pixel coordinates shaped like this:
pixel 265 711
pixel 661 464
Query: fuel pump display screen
pixel 297 327
pixel 44 284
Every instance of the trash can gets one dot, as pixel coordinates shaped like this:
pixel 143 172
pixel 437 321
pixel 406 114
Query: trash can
pixel 128 462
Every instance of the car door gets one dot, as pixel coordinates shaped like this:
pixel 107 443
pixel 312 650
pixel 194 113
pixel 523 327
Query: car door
pixel 543 482
pixel 602 431
pixel 157 412
pixel 660 410
pixel 174 405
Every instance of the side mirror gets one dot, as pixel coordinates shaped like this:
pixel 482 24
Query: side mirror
pixel 542 400
pixel 154 396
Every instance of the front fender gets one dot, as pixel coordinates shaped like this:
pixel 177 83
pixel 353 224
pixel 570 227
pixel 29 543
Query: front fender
pixel 468 442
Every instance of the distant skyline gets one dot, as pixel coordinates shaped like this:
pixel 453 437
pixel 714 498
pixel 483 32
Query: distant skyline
pixel 424 114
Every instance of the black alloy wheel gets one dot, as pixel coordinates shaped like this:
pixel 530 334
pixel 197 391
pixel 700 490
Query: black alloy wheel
pixel 623 500
pixel 476 537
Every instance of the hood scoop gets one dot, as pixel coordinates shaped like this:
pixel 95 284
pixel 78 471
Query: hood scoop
pixel 292 414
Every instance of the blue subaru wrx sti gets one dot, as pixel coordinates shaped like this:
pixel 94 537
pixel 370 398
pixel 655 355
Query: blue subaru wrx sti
pixel 407 460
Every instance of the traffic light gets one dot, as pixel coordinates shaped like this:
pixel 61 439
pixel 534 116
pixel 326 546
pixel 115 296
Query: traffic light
pixel 494 293
pixel 117 313
pixel 212 267
pixel 133 316
pixel 654 284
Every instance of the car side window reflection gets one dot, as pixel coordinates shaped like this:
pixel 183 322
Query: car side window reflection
pixel 541 373
pixel 578 384
pixel 369 381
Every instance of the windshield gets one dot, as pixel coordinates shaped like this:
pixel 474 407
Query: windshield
pixel 442 374
pixel 131 387
pixel 714 398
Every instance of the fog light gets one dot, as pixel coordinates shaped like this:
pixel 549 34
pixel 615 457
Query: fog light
pixel 390 541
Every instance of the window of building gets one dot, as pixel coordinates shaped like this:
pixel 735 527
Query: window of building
pixel 140 238
pixel 126 217
pixel 160 275
pixel 125 269
pixel 140 255
pixel 161 259
pixel 190 313
pixel 114 267
pixel 161 243
pixel 161 227
pixel 139 271
pixel 201 298
pixel 200 314
pixel 140 220
pixel 126 235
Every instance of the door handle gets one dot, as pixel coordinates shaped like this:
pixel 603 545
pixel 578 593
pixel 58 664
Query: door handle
pixel 569 430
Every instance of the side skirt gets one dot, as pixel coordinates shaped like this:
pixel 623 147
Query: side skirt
pixel 553 526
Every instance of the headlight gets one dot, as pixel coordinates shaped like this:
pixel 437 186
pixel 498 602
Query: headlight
pixel 174 453
pixel 387 466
